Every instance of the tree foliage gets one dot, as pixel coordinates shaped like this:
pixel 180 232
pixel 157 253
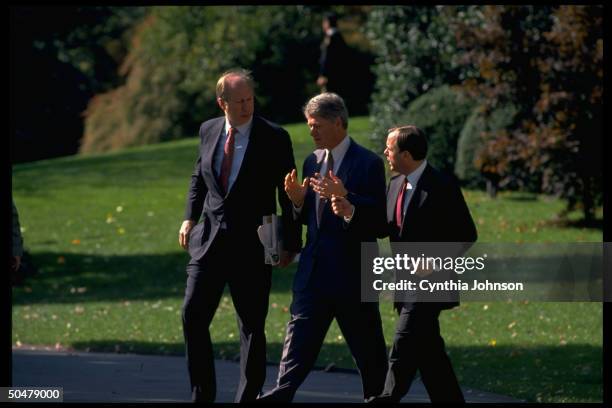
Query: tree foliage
pixel 547 61
pixel 478 125
pixel 415 52
pixel 441 114
pixel 179 52
pixel 61 56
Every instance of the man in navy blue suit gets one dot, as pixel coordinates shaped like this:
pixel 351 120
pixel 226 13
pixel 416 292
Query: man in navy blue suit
pixel 241 166
pixel 327 282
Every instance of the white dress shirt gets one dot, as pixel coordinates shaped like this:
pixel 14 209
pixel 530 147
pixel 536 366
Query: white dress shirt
pixel 241 141
pixel 413 180
pixel 338 153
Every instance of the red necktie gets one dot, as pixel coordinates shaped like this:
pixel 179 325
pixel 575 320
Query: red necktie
pixel 399 205
pixel 228 157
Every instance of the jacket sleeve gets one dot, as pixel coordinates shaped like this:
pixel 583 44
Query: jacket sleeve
pixel 370 217
pixel 457 221
pixel 464 227
pixel 292 228
pixel 197 189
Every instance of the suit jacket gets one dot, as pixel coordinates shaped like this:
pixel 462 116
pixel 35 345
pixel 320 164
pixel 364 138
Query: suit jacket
pixel 330 261
pixel 268 158
pixel 437 212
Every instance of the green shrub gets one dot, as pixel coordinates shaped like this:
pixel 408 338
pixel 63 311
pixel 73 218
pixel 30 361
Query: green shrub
pixel 416 50
pixel 472 137
pixel 441 113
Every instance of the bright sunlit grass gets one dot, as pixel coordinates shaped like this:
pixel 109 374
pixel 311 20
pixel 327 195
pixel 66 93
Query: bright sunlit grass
pixel 102 231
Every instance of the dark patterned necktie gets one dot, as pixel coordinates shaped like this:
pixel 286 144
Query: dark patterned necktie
pixel 228 158
pixel 323 200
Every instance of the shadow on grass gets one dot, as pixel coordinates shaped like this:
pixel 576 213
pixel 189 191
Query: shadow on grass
pixel 80 278
pixel 578 224
pixel 72 278
pixel 546 373
pixel 522 197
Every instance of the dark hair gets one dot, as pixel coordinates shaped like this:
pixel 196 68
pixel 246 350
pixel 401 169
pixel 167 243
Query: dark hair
pixel 411 139
pixel 331 18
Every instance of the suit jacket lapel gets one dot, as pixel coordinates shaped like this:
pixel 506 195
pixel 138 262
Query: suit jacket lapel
pixel 316 169
pixel 319 163
pixel 209 150
pixel 347 163
pixel 419 196
pixel 249 154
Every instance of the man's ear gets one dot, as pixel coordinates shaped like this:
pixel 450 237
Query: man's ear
pixel 221 104
pixel 338 122
pixel 406 156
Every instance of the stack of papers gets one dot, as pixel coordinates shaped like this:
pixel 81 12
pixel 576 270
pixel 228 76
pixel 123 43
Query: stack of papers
pixel 271 238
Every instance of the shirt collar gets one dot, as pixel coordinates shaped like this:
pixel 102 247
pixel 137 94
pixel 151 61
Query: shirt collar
pixel 413 178
pixel 331 31
pixel 244 129
pixel 338 152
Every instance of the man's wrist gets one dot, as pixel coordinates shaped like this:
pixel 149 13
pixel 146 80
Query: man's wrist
pixel 348 219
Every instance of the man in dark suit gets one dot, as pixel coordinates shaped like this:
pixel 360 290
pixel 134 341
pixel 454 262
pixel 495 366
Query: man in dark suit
pixel 242 163
pixel 334 52
pixel 327 282
pixel 422 206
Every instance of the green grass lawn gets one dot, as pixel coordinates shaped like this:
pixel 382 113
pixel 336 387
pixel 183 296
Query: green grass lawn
pixel 103 232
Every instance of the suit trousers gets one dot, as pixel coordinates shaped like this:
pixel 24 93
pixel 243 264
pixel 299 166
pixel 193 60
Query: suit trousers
pixel 419 345
pixel 311 316
pixel 249 281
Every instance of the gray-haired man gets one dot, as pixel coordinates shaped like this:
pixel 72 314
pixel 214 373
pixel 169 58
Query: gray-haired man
pixel 327 282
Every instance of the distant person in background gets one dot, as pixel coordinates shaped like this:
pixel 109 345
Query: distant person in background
pixel 332 64
pixel 17 241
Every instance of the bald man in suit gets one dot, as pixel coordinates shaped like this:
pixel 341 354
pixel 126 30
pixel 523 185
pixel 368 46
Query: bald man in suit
pixel 240 169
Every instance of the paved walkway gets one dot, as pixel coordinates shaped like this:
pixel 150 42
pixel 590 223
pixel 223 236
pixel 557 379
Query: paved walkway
pixel 106 377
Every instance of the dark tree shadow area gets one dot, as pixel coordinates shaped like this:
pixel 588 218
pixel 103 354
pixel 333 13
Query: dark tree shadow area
pixel 77 278
pixel 596 223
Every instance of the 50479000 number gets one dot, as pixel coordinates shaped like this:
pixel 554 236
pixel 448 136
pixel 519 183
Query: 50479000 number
pixel 24 393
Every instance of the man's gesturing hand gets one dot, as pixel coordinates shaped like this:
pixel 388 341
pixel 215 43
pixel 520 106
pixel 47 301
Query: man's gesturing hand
pixel 341 206
pixel 294 190
pixel 328 186
pixel 184 233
